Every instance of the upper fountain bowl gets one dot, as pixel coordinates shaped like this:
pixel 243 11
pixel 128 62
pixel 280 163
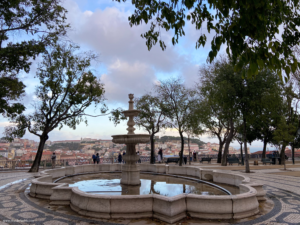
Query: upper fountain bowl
pixel 131 112
pixel 131 138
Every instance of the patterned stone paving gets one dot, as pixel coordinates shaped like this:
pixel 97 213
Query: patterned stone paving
pixel 17 208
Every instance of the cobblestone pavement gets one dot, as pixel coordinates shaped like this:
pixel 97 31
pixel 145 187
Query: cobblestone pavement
pixel 17 208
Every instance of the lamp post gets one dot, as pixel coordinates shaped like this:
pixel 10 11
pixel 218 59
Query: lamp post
pixel 240 136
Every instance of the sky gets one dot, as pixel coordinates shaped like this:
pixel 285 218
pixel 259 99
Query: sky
pixel 124 66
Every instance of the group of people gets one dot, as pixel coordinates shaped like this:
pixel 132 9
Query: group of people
pixel 96 158
pixel 120 157
pixel 121 160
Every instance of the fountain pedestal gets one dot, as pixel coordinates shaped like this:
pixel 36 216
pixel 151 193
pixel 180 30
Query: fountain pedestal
pixel 130 171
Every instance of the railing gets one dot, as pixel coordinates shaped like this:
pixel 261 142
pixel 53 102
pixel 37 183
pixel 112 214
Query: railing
pixel 46 164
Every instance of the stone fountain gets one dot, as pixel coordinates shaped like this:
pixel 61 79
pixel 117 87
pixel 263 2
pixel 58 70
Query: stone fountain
pixel 130 170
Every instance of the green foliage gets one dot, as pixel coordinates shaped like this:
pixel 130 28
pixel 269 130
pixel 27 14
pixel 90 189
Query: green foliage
pixel 248 28
pixel 192 140
pixel 44 20
pixel 11 90
pixel 285 133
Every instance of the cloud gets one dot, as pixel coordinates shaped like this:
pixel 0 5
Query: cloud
pixel 124 78
pixel 107 32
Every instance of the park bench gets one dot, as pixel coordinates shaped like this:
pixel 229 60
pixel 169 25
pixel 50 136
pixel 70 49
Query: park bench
pixel 233 160
pixel 208 160
pixel 175 160
pixel 265 161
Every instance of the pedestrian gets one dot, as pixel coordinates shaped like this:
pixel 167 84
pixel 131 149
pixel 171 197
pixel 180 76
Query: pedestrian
pixel 120 158
pixel 138 153
pixel 53 158
pixel 191 156
pixel 94 158
pixel 97 158
pixel 123 156
pixel 160 155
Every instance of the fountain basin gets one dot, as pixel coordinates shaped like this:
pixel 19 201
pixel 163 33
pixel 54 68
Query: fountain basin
pixel 168 209
pixel 109 183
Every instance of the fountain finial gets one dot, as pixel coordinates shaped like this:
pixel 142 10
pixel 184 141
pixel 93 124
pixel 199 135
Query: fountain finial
pixel 131 96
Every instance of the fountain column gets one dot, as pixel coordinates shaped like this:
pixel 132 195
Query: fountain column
pixel 130 170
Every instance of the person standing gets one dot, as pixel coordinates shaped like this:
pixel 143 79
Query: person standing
pixel 53 158
pixel 97 158
pixel 120 158
pixel 94 158
pixel 123 156
pixel 160 155
pixel 138 153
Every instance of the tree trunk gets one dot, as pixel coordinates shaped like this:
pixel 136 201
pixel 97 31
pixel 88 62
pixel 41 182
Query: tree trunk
pixel 264 149
pixel 181 151
pixel 152 149
pixel 242 157
pixel 282 156
pixel 247 167
pixel 293 154
pixel 36 164
pixel 228 140
pixel 189 150
pixel 221 144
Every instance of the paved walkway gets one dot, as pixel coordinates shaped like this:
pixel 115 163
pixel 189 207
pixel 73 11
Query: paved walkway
pixel 16 207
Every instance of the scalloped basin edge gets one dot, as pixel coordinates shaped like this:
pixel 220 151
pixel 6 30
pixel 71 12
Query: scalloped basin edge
pixel 168 209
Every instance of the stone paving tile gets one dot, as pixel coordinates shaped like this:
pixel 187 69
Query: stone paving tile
pixel 16 208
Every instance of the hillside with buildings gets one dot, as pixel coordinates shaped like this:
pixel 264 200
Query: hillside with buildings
pixel 24 149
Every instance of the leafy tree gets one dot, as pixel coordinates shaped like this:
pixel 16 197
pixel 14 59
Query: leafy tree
pixel 179 103
pixel 245 100
pixel 248 28
pixel 251 101
pixel 216 109
pixel 66 89
pixel 268 115
pixel 286 132
pixel 44 21
pixel 283 135
pixel 151 117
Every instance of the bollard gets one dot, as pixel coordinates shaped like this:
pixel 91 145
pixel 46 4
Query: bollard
pixel 13 165
pixel 45 164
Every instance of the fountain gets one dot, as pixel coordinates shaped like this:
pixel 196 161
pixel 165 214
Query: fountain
pixel 130 171
pixel 165 192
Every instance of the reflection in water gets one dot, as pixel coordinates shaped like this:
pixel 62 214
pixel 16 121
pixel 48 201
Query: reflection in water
pixel 109 183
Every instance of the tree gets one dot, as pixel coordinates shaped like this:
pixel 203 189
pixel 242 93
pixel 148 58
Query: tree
pixel 66 89
pixel 151 117
pixel 44 21
pixel 217 106
pixel 245 100
pixel 249 29
pixel 286 131
pixel 178 103
pixel 251 102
